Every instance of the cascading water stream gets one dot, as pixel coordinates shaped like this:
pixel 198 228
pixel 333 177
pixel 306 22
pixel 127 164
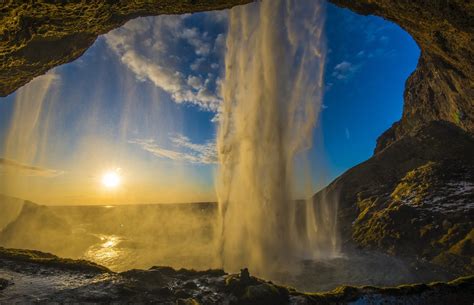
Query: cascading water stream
pixel 272 96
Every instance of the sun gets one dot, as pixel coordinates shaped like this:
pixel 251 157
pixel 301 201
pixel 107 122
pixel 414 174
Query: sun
pixel 111 179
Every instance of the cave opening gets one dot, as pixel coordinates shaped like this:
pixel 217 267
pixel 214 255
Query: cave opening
pixel 141 106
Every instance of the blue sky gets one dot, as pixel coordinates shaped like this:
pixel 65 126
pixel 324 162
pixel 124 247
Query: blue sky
pixel 368 63
pixel 144 100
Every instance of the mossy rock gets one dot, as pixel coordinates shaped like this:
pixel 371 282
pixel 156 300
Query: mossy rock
pixel 264 293
pixel 50 260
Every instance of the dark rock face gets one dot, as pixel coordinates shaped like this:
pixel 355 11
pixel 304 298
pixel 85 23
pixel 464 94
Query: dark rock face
pixel 414 199
pixel 35 37
pixel 442 86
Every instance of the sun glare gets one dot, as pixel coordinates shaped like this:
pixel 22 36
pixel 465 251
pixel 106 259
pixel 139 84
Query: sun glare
pixel 111 179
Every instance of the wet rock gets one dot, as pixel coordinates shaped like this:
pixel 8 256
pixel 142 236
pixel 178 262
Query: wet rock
pixel 263 294
pixel 250 290
pixel 190 285
pixel 447 224
pixel 181 293
pixel 187 302
pixel 165 291
pixel 4 283
pixel 245 276
pixel 74 285
pixel 31 257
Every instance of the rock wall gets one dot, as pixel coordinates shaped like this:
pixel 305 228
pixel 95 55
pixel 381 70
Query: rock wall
pixel 414 199
pixel 442 86
pixel 37 36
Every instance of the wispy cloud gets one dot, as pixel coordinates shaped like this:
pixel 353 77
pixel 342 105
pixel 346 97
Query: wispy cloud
pixel 156 49
pixel 185 150
pixel 345 70
pixel 27 170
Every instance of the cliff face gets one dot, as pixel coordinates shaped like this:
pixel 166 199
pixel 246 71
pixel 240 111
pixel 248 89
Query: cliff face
pixel 414 199
pixel 37 37
pixel 442 86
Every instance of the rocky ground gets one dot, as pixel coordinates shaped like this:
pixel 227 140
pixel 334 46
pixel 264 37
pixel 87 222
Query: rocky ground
pixel 36 277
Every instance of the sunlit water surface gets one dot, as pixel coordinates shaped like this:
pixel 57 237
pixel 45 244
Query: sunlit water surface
pixel 126 237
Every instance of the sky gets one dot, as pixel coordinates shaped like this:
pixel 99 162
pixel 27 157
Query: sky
pixel 144 102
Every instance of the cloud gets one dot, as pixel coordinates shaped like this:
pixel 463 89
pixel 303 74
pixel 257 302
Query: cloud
pixel 193 37
pixel 348 134
pixel 173 55
pixel 345 70
pixel 186 150
pixel 28 170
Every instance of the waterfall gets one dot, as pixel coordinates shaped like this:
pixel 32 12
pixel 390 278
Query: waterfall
pixel 272 96
pixel 27 137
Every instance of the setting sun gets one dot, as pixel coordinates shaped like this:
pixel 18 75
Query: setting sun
pixel 111 179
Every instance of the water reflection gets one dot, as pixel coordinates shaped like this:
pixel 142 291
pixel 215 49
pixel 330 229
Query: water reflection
pixel 108 252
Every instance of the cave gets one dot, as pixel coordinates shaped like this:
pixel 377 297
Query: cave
pixel 411 200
